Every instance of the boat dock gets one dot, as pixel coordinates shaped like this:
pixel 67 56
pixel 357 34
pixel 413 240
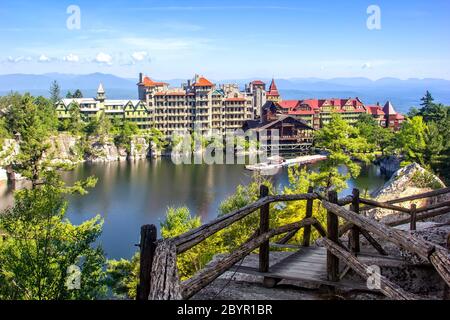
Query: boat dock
pixel 278 162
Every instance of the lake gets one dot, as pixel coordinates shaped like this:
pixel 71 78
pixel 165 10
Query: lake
pixel 131 194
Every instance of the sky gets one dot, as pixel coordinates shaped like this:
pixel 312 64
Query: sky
pixel 227 39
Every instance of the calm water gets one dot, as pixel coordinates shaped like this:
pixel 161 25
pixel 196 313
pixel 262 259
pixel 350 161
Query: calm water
pixel 130 194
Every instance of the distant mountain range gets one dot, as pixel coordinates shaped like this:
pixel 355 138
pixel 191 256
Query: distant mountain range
pixel 403 93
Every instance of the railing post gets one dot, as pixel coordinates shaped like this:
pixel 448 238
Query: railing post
pixel 413 224
pixel 355 234
pixel 309 212
pixel 147 250
pixel 263 228
pixel 446 287
pixel 333 235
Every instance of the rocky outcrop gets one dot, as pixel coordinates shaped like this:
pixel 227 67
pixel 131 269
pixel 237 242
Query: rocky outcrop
pixel 139 149
pixel 410 180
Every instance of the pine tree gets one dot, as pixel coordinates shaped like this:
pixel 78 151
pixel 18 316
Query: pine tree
pixel 55 92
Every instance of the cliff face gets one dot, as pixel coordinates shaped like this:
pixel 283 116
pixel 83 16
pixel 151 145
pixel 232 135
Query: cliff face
pixel 69 149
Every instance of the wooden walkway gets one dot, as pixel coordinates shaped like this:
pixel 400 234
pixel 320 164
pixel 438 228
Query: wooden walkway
pixel 308 266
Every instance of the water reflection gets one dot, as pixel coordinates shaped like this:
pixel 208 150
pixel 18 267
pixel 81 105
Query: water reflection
pixel 130 194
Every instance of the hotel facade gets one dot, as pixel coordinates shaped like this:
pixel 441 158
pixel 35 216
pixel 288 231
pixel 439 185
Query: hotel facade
pixel 199 104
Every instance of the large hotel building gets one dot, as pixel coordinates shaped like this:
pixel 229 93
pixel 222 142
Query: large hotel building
pixel 202 105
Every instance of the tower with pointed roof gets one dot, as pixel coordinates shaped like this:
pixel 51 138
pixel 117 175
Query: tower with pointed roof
pixel 101 93
pixel 273 94
pixel 393 118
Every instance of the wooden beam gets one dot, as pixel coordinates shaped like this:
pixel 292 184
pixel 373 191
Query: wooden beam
pixel 354 237
pixel 437 255
pixel 388 288
pixel 264 217
pixel 308 214
pixel 165 283
pixel 420 217
pixel 434 206
pixel 147 250
pixel 332 235
pixel 189 239
pixel 433 193
pixel 383 205
pixel 215 269
pixel 413 224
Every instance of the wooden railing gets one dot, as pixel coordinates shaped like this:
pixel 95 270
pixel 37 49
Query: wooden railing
pixel 159 274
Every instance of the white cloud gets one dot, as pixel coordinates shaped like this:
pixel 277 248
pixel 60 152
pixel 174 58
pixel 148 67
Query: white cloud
pixel 44 58
pixel 103 58
pixel 367 65
pixel 18 59
pixel 139 55
pixel 71 58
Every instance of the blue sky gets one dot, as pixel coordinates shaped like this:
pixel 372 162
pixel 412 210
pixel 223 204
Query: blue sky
pixel 228 39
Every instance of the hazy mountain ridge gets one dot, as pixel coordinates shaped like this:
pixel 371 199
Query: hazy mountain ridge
pixel 403 93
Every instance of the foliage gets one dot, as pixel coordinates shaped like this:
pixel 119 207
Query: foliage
pixel 125 131
pixel 299 182
pixel 344 144
pixel 157 139
pixel 75 124
pixel 33 120
pixel 123 276
pixel 40 245
pixel 425 180
pixel 179 221
pixel 55 92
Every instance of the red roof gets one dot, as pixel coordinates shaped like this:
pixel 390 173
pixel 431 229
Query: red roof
pixel 258 83
pixel 203 82
pixel 375 110
pixel 273 90
pixel 289 104
pixel 150 83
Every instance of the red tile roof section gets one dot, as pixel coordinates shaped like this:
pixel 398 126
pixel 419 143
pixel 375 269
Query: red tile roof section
pixel 203 82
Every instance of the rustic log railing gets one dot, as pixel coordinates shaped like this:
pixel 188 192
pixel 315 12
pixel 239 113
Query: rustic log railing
pixel 159 274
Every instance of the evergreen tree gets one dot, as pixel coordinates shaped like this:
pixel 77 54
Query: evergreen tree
pixel 55 92
pixel 78 94
pixel 69 95
pixel 427 100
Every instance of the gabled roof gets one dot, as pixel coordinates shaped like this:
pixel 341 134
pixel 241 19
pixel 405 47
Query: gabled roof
pixel 282 118
pixel 203 82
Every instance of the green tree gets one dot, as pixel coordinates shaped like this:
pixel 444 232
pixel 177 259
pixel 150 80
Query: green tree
pixel 123 276
pixel 77 94
pixel 179 221
pixel 55 92
pixel 344 144
pixel 427 100
pixel 125 132
pixel 75 124
pixel 412 140
pixel 34 121
pixel 69 95
pixel 40 245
